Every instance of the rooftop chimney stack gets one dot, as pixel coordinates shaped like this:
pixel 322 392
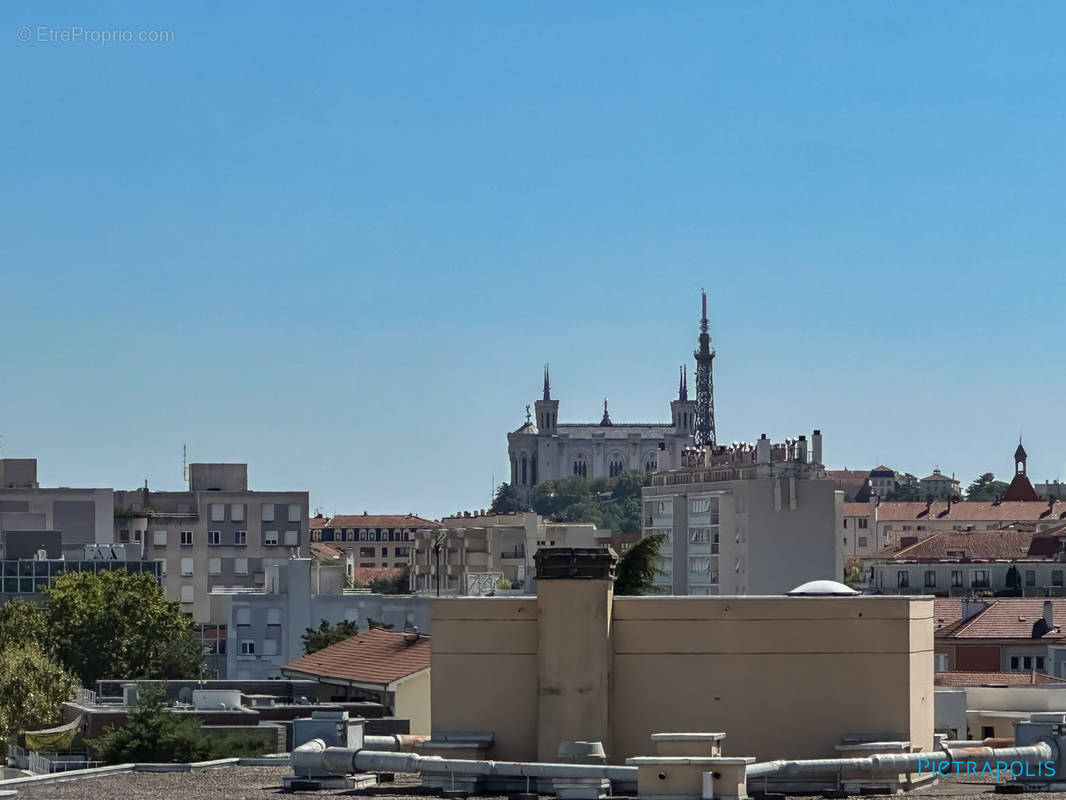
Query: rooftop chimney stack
pixel 762 450
pixel 816 447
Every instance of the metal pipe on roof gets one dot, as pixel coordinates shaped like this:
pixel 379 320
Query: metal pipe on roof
pixel 345 760
pixel 905 762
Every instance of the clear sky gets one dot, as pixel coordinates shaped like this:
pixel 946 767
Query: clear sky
pixel 339 241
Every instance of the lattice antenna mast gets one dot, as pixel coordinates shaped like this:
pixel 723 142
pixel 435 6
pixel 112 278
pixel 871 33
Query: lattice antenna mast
pixel 705 433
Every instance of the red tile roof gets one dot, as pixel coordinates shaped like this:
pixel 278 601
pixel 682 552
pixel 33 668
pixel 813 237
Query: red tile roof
pixel 967 511
pixel 1047 542
pixel 1020 489
pixel 317 523
pixel 1008 618
pixel 883 471
pixel 1006 544
pixel 375 657
pixel 947 611
pixel 380 521
pixel 992 678
pixel 856 509
pixel 323 551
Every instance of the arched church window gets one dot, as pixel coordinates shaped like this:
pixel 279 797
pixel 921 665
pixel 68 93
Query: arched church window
pixel 523 470
pixel 581 467
pixel 533 470
pixel 650 463
pixel 616 466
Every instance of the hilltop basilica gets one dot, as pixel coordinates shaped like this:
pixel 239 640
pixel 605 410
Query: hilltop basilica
pixel 546 449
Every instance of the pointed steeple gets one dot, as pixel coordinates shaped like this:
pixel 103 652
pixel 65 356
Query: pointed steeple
pixel 681 383
pixel 547 384
pixel 606 417
pixel 1020 457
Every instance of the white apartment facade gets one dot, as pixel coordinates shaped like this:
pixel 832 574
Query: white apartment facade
pixel 746 519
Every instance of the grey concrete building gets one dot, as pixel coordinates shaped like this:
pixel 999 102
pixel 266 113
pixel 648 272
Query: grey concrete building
pixel 746 519
pixel 264 625
pixel 55 520
pixel 217 533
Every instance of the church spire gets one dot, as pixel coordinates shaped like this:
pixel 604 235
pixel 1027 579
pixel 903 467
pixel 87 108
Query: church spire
pixel 705 432
pixel 606 417
pixel 547 384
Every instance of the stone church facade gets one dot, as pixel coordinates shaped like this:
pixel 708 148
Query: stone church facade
pixel 546 449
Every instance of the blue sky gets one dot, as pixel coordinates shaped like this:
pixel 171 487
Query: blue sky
pixel 338 242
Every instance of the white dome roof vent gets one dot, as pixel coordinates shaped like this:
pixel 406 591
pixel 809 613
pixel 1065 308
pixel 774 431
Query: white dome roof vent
pixel 822 589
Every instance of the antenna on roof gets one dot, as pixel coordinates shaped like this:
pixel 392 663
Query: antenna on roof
pixel 185 465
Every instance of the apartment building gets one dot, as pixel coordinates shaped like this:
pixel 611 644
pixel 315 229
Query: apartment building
pixel 372 540
pixel 939 485
pixel 264 625
pixel 217 533
pixel 471 546
pixel 56 520
pixel 746 519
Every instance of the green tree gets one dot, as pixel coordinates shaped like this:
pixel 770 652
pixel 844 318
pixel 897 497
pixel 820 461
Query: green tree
pixel 1013 579
pixel 400 583
pixel 506 500
pixel 327 634
pixel 904 493
pixel 611 503
pixel 33 689
pixel 986 488
pixel 119 625
pixel 639 566
pixel 22 624
pixel 153 734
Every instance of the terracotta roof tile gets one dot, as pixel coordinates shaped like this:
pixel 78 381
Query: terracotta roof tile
pixel 974 545
pixel 1020 489
pixel 1010 618
pixel 856 509
pixel 992 678
pixel 324 551
pixel 317 523
pixel 380 521
pixel 376 657
pixel 966 511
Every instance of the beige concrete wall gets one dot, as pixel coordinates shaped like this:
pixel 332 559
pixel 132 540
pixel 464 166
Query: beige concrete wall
pixel 784 677
pixel 485 670
pixel 573 663
pixel 413 703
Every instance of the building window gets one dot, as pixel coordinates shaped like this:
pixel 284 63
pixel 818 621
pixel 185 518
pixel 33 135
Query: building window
pixel 247 647
pixel 930 578
pixel 524 479
pixel 1014 662
pixel 214 566
pixel 270 647
pixel 701 506
pixel 581 467
pixel 187 594
pixel 162 567
pixel 1030 577
pixel 240 566
pixel 218 512
pixel 214 537
pixel 903 579
pixel 699 535
pixel 268 512
pixel 616 467
pixel 1056 577
pixel 650 464
pixel 1039 663
pixel 366 552
pixel 236 512
pixel 403 552
pixel 295 513
pixel 240 537
pixel 186 566
pixel 244 616
pixel 956 578
pixel 864 523
pixel 159 538
pixel 274 617
pixel 186 538
pixel 980 578
pixel 384 552
pixel 862 541
pixel 270 537
pixel 699 566
pixel 124 536
pixel 292 538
